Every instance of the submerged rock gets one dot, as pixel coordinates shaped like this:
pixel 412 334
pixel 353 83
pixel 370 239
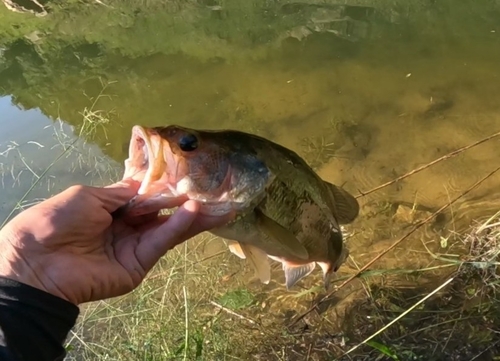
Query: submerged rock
pixel 410 215
pixel 345 21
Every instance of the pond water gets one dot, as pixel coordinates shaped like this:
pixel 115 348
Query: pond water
pixel 365 91
pixel 40 156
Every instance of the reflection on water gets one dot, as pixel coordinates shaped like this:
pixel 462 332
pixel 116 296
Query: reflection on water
pixel 363 93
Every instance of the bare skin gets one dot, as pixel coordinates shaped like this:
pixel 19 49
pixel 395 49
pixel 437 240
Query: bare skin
pixel 70 246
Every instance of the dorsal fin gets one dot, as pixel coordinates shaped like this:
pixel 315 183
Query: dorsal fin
pixel 346 205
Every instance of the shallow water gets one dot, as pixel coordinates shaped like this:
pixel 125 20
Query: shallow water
pixel 396 89
pixel 40 156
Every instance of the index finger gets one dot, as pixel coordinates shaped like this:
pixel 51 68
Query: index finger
pixel 116 195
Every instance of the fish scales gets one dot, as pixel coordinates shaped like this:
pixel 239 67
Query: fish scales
pixel 299 214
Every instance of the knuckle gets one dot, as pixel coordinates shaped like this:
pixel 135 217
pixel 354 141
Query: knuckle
pixel 77 189
pixel 78 193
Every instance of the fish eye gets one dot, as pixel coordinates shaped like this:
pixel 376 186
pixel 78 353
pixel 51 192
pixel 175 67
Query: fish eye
pixel 188 143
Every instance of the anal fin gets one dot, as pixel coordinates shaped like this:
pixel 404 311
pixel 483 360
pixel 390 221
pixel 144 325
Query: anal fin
pixel 293 273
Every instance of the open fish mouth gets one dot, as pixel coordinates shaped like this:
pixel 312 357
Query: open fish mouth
pixel 151 163
pixel 146 162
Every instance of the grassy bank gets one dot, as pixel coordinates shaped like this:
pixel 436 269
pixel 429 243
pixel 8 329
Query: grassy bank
pixel 203 305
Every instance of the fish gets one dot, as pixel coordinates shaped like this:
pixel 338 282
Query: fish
pixel 285 212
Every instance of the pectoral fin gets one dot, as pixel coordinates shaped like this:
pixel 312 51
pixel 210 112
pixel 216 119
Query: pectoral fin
pixel 293 273
pixel 346 205
pixel 285 239
pixel 259 261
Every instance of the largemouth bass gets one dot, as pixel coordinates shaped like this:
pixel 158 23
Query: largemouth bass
pixel 285 211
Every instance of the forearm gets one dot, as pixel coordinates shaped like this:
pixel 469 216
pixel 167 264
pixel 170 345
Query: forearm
pixel 33 323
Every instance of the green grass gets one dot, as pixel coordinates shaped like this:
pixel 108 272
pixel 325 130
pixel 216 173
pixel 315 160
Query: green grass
pixel 237 299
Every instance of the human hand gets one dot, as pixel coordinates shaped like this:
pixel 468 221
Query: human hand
pixel 70 245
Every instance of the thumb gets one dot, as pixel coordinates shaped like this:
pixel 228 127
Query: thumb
pixel 117 194
pixel 158 240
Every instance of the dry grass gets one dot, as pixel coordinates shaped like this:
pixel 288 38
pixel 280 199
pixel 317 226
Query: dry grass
pixel 460 323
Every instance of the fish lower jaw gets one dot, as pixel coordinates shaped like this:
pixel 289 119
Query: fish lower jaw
pixel 211 205
pixel 185 186
pixel 218 207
